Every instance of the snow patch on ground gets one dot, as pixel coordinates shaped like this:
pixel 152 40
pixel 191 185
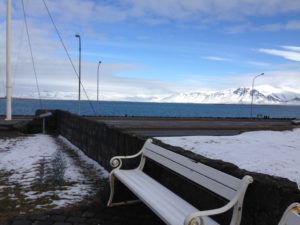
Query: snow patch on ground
pixel 275 153
pixel 26 166
pixel 20 156
pixel 101 171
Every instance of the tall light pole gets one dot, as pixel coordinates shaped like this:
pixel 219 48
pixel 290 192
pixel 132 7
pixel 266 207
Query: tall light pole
pixel 79 73
pixel 8 79
pixel 252 91
pixel 98 86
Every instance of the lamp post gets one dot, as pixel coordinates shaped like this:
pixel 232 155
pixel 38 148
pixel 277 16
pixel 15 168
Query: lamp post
pixel 252 92
pixel 8 75
pixel 79 73
pixel 98 85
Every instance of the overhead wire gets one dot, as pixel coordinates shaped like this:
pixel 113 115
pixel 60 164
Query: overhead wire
pixel 32 59
pixel 68 55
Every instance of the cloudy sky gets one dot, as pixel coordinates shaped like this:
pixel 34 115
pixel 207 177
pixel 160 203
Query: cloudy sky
pixel 152 48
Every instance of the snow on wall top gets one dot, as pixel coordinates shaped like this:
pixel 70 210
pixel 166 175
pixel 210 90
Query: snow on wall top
pixel 275 153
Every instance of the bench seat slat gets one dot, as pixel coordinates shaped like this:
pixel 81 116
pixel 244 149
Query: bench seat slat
pixel 207 177
pixel 168 206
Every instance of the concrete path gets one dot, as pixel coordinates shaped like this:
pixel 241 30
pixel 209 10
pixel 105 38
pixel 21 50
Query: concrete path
pixel 162 127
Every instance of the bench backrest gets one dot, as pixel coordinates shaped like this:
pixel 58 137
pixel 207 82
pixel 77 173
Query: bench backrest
pixel 214 180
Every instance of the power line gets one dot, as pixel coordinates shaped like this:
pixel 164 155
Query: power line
pixel 68 55
pixel 32 59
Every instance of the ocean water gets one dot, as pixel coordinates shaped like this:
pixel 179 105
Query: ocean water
pixel 109 108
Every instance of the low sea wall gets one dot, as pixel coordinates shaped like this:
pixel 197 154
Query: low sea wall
pixel 96 139
pixel 265 200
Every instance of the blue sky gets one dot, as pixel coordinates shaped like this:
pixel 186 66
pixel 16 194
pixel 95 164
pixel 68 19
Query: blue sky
pixel 156 48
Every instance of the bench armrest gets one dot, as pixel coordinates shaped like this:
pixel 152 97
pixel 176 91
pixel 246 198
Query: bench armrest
pixel 196 217
pixel 116 161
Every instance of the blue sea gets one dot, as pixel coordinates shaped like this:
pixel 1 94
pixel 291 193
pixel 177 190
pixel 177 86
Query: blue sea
pixel 113 108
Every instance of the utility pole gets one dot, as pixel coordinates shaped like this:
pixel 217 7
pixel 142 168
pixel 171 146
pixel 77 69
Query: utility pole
pixel 79 85
pixel 8 77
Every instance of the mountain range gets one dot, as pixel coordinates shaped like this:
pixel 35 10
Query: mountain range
pixel 264 94
pixel 240 95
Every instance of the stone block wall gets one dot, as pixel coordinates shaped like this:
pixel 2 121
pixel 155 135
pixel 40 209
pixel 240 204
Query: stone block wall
pixel 265 200
pixel 96 139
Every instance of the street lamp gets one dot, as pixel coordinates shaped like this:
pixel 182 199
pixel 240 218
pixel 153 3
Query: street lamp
pixel 98 85
pixel 79 85
pixel 252 92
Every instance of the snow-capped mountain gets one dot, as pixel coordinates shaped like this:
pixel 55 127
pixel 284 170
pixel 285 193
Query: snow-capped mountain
pixel 264 94
pixel 261 95
pixel 68 95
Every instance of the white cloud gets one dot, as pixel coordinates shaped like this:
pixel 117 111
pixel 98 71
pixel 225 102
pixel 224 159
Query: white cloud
pixel 292 48
pixel 282 78
pixel 294 56
pixel 239 28
pixel 293 25
pixel 270 27
pixel 258 63
pixel 157 12
pixel 216 9
pixel 276 78
pixel 84 11
pixel 215 58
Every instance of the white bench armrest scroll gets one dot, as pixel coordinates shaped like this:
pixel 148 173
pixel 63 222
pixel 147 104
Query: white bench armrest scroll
pixel 116 162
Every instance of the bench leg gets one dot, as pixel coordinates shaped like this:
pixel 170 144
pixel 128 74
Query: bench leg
pixel 112 189
pixel 112 192
pixel 236 214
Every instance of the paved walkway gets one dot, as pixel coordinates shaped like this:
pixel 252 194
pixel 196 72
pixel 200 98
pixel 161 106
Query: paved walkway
pixel 160 127
pixel 94 214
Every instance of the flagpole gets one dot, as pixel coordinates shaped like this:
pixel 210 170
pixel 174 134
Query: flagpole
pixel 8 77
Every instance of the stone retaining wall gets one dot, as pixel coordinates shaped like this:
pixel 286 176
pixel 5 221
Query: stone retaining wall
pixel 266 198
pixel 97 140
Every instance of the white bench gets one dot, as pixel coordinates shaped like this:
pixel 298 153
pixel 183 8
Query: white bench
pixel 291 216
pixel 171 208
